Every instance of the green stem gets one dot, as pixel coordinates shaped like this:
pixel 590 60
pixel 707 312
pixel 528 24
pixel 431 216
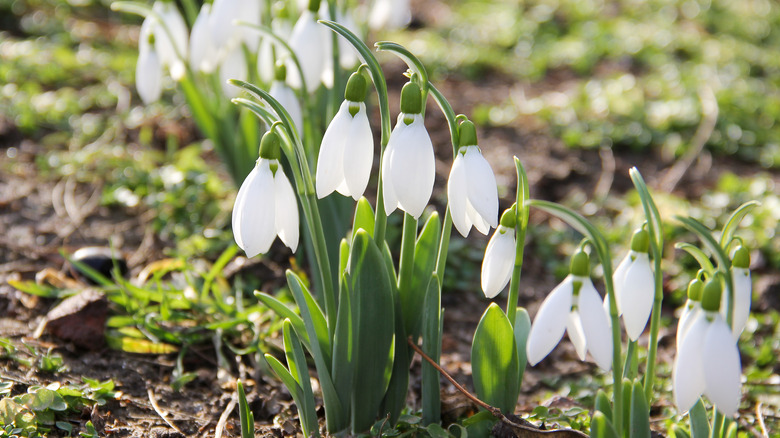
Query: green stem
pixel 717 424
pixel 406 263
pixel 444 245
pixel 521 226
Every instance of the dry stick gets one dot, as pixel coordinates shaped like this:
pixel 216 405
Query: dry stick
pixel 709 117
pixel 225 415
pixel 157 409
pixel 760 418
pixel 522 430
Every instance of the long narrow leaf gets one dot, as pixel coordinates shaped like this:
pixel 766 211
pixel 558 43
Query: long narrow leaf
pixel 408 57
pixel 425 252
pixel 522 327
pixel 733 222
pixel 640 413
pixel 700 425
pixel 494 360
pixel 296 362
pixel 431 335
pixel 601 427
pixel 699 255
pixel 286 313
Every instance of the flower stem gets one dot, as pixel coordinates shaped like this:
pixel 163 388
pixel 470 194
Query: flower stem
pixel 521 226
pixel 406 263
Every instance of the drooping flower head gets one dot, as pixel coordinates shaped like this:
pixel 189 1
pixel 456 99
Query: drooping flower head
pixel 408 166
pixel 308 42
pixel 471 188
pixel 265 205
pixel 286 96
pixel 347 149
pixel 635 285
pixel 148 70
pixel 574 307
pixel 743 289
pixel 691 309
pixel 500 255
pixel 390 14
pixel 707 361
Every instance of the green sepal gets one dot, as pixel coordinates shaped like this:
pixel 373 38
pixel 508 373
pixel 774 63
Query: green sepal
pixel 580 264
pixel 711 295
pixel 509 217
pixel 601 427
pixel 640 413
pixel 494 360
pixel 270 146
pixel 640 241
pixel 695 288
pixel 467 134
pixel 741 258
pixel 357 88
pixel 411 99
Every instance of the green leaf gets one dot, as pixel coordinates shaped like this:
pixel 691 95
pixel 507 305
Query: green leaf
pixel 678 432
pixel 9 410
pixel 395 396
pixel 285 312
pixel 408 57
pixel 431 335
pixel 372 309
pixel 494 360
pixel 522 327
pixel 733 222
pixel 364 217
pixel 284 375
pixel 343 343
pixel 480 424
pixel 731 431
pixel 33 288
pixel 628 387
pixel 601 427
pixel 296 362
pixel 700 425
pixel 436 431
pixel 245 414
pixel 640 413
pixel 603 404
pixel 129 344
pixel 704 260
pixel 425 252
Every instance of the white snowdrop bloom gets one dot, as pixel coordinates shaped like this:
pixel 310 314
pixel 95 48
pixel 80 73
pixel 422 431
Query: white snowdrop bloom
pixel 348 56
pixel 499 261
pixel 269 51
pixel 743 290
pixel 172 45
pixel 202 51
pixel 390 14
pixel 148 69
pixel 635 286
pixel 286 96
pixel 707 361
pixel 347 149
pixel 690 310
pixel 471 187
pixel 574 307
pixel 265 207
pixel 223 15
pixel 307 41
pixel 233 67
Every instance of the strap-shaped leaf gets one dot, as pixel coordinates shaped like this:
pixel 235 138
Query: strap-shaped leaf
pixel 364 217
pixel 494 362
pixel 431 335
pixel 700 425
pixel 733 222
pixel 285 312
pixel 296 363
pixel 245 414
pixel 343 344
pixel 603 404
pixel 425 252
pixel 640 413
pixel 373 319
pixel 522 327
pixel 601 427
pixel 678 432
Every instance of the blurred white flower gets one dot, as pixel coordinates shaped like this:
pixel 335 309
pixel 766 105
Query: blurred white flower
pixel 690 310
pixel 307 41
pixel 233 66
pixel 472 192
pixel 743 291
pixel 634 291
pixel 286 96
pixel 202 50
pixel 390 14
pixel 499 261
pixel 148 70
pixel 171 45
pixel 265 207
pixel 346 154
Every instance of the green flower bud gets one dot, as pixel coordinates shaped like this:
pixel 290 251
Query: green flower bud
pixel 508 218
pixel 640 241
pixel 710 300
pixel 314 5
pixel 270 146
pixel 741 258
pixel 580 264
pixel 467 134
pixel 357 88
pixel 280 71
pixel 695 288
pixel 411 99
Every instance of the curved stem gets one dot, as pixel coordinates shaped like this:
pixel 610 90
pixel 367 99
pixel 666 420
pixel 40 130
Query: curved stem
pixel 521 226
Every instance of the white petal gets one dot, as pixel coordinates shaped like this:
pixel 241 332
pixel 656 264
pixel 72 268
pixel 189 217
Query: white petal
pixel 687 373
pixel 550 322
pixel 305 41
pixel 223 13
pixel 388 191
pixel 743 289
pixel 232 67
pixel 482 187
pixel 286 210
pixel 168 43
pixel 638 292
pixel 254 213
pixel 576 334
pixel 619 279
pixel 456 194
pixel 479 222
pixel 414 167
pixel 202 52
pixel 596 324
pixel 390 14
pixel 286 96
pixel 689 312
pixel 499 261
pixel 148 76
pixel 722 369
pixel 358 153
pixel 330 163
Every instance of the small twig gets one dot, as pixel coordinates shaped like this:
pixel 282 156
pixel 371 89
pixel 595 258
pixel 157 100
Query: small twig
pixel 492 409
pixel 225 415
pixel 760 418
pixel 159 411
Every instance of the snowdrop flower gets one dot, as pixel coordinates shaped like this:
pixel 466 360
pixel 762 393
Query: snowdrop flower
pixel 574 307
pixel 390 14
pixel 225 32
pixel 500 255
pixel 171 45
pixel 690 310
pixel 708 362
pixel 471 188
pixel 408 166
pixel 286 96
pixel 743 289
pixel 265 205
pixel 202 50
pixel 635 286
pixel 347 149
pixel 347 54
pixel 148 70
pixel 233 66
pixel 270 51
pixel 307 41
